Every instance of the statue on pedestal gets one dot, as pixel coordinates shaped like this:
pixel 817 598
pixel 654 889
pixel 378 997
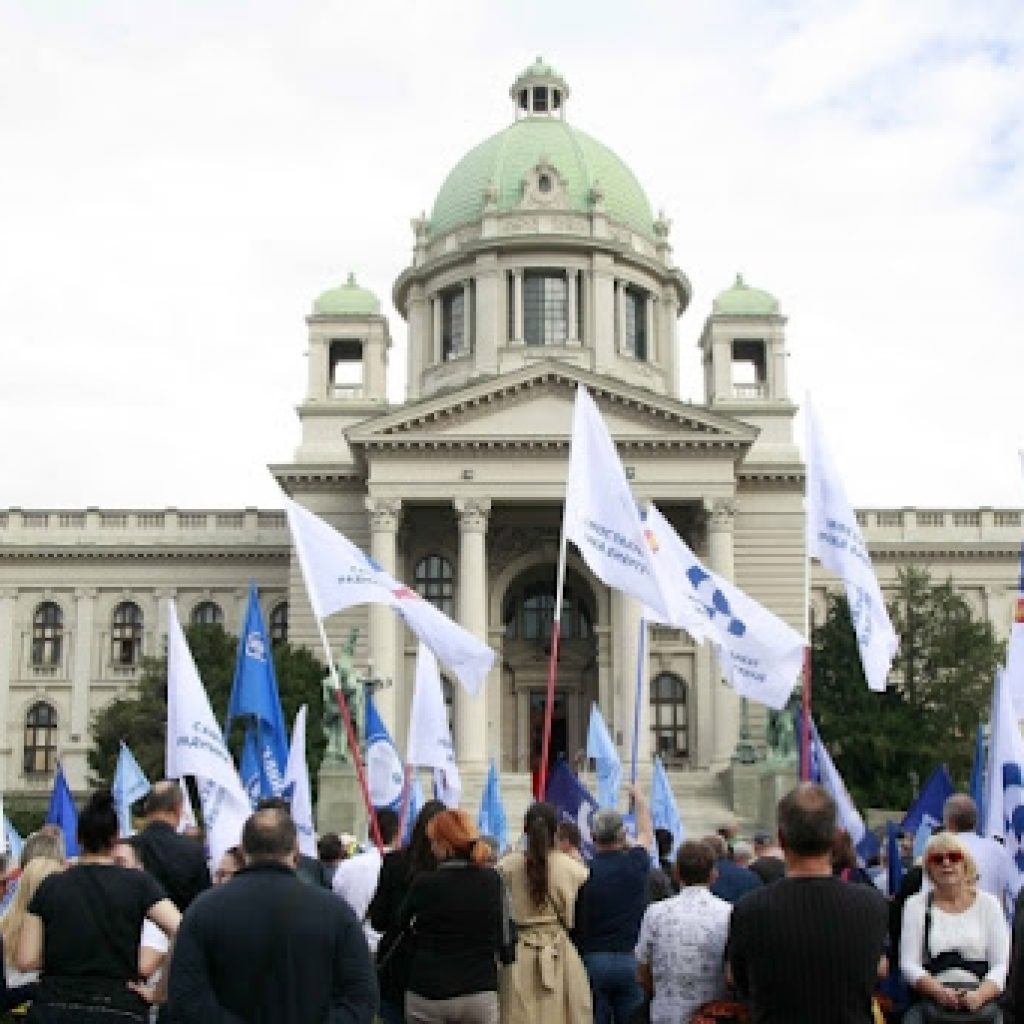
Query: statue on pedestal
pixel 333 723
pixel 782 739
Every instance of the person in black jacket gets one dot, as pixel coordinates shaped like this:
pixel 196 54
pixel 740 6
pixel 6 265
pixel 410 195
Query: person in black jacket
pixel 308 869
pixel 176 861
pixel 269 948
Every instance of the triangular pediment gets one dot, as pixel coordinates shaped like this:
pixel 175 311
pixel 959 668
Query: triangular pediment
pixel 533 407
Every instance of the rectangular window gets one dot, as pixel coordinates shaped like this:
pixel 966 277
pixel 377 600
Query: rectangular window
pixel 453 323
pixel 545 307
pixel 749 368
pixel 579 305
pixel 636 323
pixel 511 306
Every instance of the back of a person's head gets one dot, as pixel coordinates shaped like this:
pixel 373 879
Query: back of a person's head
pixel 569 832
pixel 163 799
pixel 718 845
pixel 807 820
pixel 844 856
pixel 420 854
pixel 664 840
pixel 454 832
pixel 329 848
pixel 269 835
pixel 48 842
pixel 960 813
pixel 97 823
pixel 388 822
pixel 695 861
pixel 539 824
pixel 742 852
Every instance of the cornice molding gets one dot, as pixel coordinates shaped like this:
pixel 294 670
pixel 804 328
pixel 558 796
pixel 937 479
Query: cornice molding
pixel 170 553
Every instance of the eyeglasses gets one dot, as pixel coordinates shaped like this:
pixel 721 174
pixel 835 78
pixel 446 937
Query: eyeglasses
pixel 945 857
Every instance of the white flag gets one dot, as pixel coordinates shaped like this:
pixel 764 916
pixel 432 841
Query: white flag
pixel 430 740
pixel 834 538
pixel 1004 799
pixel 338 575
pixel 670 555
pixel 188 815
pixel 296 782
pixel 601 516
pixel 1015 660
pixel 846 812
pixel 759 655
pixel 195 746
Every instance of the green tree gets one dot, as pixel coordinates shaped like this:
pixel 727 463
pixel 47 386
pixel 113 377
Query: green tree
pixel 141 719
pixel 939 689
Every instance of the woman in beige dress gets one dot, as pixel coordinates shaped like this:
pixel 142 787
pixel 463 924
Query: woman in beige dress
pixel 547 981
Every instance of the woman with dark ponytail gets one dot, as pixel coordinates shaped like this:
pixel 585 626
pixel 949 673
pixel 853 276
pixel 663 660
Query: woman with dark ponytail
pixel 547 981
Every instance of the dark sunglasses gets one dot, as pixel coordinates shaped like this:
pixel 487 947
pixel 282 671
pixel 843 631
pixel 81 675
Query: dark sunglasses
pixel 945 856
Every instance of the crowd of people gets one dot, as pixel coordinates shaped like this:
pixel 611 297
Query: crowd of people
pixel 448 929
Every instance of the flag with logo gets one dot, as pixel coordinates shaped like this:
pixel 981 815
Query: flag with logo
pixel 492 820
pixel 430 740
pixel 759 655
pixel 255 700
pixel 296 786
pixel 130 784
pixel 338 575
pixel 601 516
pixel 606 759
pixel 1005 798
pixel 63 812
pixel 928 804
pixel 572 800
pixel 385 773
pixel 834 538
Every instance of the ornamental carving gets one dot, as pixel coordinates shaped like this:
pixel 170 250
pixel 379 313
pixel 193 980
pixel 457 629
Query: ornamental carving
pixel 567 225
pixel 384 514
pixel 509 543
pixel 473 513
pixel 521 225
pixel 722 514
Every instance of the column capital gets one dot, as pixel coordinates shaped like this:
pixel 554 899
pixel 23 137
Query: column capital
pixel 86 593
pixel 721 514
pixel 8 593
pixel 473 513
pixel 384 513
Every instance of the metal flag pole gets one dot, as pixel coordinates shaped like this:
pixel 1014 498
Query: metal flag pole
pixel 549 705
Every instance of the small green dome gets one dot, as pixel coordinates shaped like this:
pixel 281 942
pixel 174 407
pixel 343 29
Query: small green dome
pixel 347 300
pixel 742 300
pixel 503 161
pixel 538 70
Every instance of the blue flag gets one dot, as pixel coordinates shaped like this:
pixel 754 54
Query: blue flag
pixel 385 773
pixel 664 810
pixel 930 801
pixel 978 776
pixel 894 863
pixel 491 821
pixel 130 785
pixel 249 768
pixel 572 800
pixel 62 811
pixel 606 759
pixel 255 698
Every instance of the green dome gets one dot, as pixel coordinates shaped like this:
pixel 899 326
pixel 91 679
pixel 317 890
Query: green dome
pixel 347 299
pixel 742 300
pixel 505 159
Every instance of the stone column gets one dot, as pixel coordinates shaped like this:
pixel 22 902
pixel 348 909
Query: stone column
pixel 620 316
pixel 471 712
pixel 467 316
pixel 649 326
pixel 383 646
pixel 627 639
pixel 720 560
pixel 517 313
pixel 572 335
pixel 8 652
pixel 85 608
pixel 435 335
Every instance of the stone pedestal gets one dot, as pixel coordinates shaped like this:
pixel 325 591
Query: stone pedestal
pixel 754 790
pixel 339 805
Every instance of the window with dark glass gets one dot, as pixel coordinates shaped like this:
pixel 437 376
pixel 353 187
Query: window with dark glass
pixel 126 635
pixel 454 324
pixel 579 305
pixel 636 322
pixel 669 726
pixel 511 307
pixel 530 614
pixel 540 98
pixel 40 738
pixel 278 623
pixel 47 635
pixel 346 367
pixel 207 613
pixel 435 582
pixel 545 307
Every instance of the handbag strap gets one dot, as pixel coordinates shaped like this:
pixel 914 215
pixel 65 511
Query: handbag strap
pixel 926 954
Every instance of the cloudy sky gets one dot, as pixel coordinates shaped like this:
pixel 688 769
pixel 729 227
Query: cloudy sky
pixel 179 180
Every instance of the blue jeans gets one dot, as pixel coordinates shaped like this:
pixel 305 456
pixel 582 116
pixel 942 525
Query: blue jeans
pixel 617 993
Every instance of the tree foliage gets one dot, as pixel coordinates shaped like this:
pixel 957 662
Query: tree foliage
pixel 141 719
pixel 939 689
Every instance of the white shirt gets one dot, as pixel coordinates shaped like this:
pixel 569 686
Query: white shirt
pixel 682 940
pixel 996 870
pixel 978 933
pixel 355 882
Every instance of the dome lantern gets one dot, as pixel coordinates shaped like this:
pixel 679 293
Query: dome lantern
pixel 539 91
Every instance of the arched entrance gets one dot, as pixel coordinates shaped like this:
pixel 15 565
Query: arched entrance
pixel 527 616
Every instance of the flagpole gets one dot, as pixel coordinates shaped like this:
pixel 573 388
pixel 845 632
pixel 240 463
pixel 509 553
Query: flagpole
pixel 640 656
pixel 556 633
pixel 805 696
pixel 350 732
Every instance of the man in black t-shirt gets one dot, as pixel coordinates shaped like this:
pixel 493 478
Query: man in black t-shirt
pixel 808 948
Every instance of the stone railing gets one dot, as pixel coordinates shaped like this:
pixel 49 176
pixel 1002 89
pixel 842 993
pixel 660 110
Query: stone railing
pixel 980 525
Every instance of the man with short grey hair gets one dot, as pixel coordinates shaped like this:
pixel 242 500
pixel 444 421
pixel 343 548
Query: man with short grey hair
pixel 609 910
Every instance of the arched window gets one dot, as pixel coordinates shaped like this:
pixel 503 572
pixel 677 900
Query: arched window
pixel 126 635
pixel 435 582
pixel 47 635
pixel 40 738
pixel 669 718
pixel 530 613
pixel 207 613
pixel 278 624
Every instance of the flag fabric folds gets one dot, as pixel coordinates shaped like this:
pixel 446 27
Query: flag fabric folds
pixel 601 517
pixel 572 800
pixel 385 773
pixel 893 860
pixel 759 655
pixel 430 741
pixel 825 773
pixel 255 699
pixel 1005 797
pixel 188 814
pixel 338 575
pixel 416 802
pixel 63 812
pixel 606 759
pixel 130 784
pixel 13 843
pixel 834 538
pixel 296 785
pixel 195 746
pixel 929 802
pixel 492 821
pixel 1015 648
pixel 664 810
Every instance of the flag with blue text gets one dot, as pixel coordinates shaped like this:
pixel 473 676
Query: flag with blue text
pixel 296 786
pixel 492 821
pixel 255 700
pixel 1005 797
pixel 759 655
pixel 606 759
pixel 130 784
pixel 927 805
pixel 385 773
pixel 834 538
pixel 664 809
pixel 338 575
pixel 430 739
pixel 63 812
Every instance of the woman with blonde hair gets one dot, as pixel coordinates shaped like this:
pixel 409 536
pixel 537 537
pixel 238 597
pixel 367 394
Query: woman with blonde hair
pixel 955 945
pixel 12 922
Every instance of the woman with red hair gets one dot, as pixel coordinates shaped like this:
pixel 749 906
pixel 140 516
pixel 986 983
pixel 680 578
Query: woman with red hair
pixel 455 917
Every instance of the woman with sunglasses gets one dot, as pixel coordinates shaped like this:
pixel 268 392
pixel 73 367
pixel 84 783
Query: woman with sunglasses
pixel 955 946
